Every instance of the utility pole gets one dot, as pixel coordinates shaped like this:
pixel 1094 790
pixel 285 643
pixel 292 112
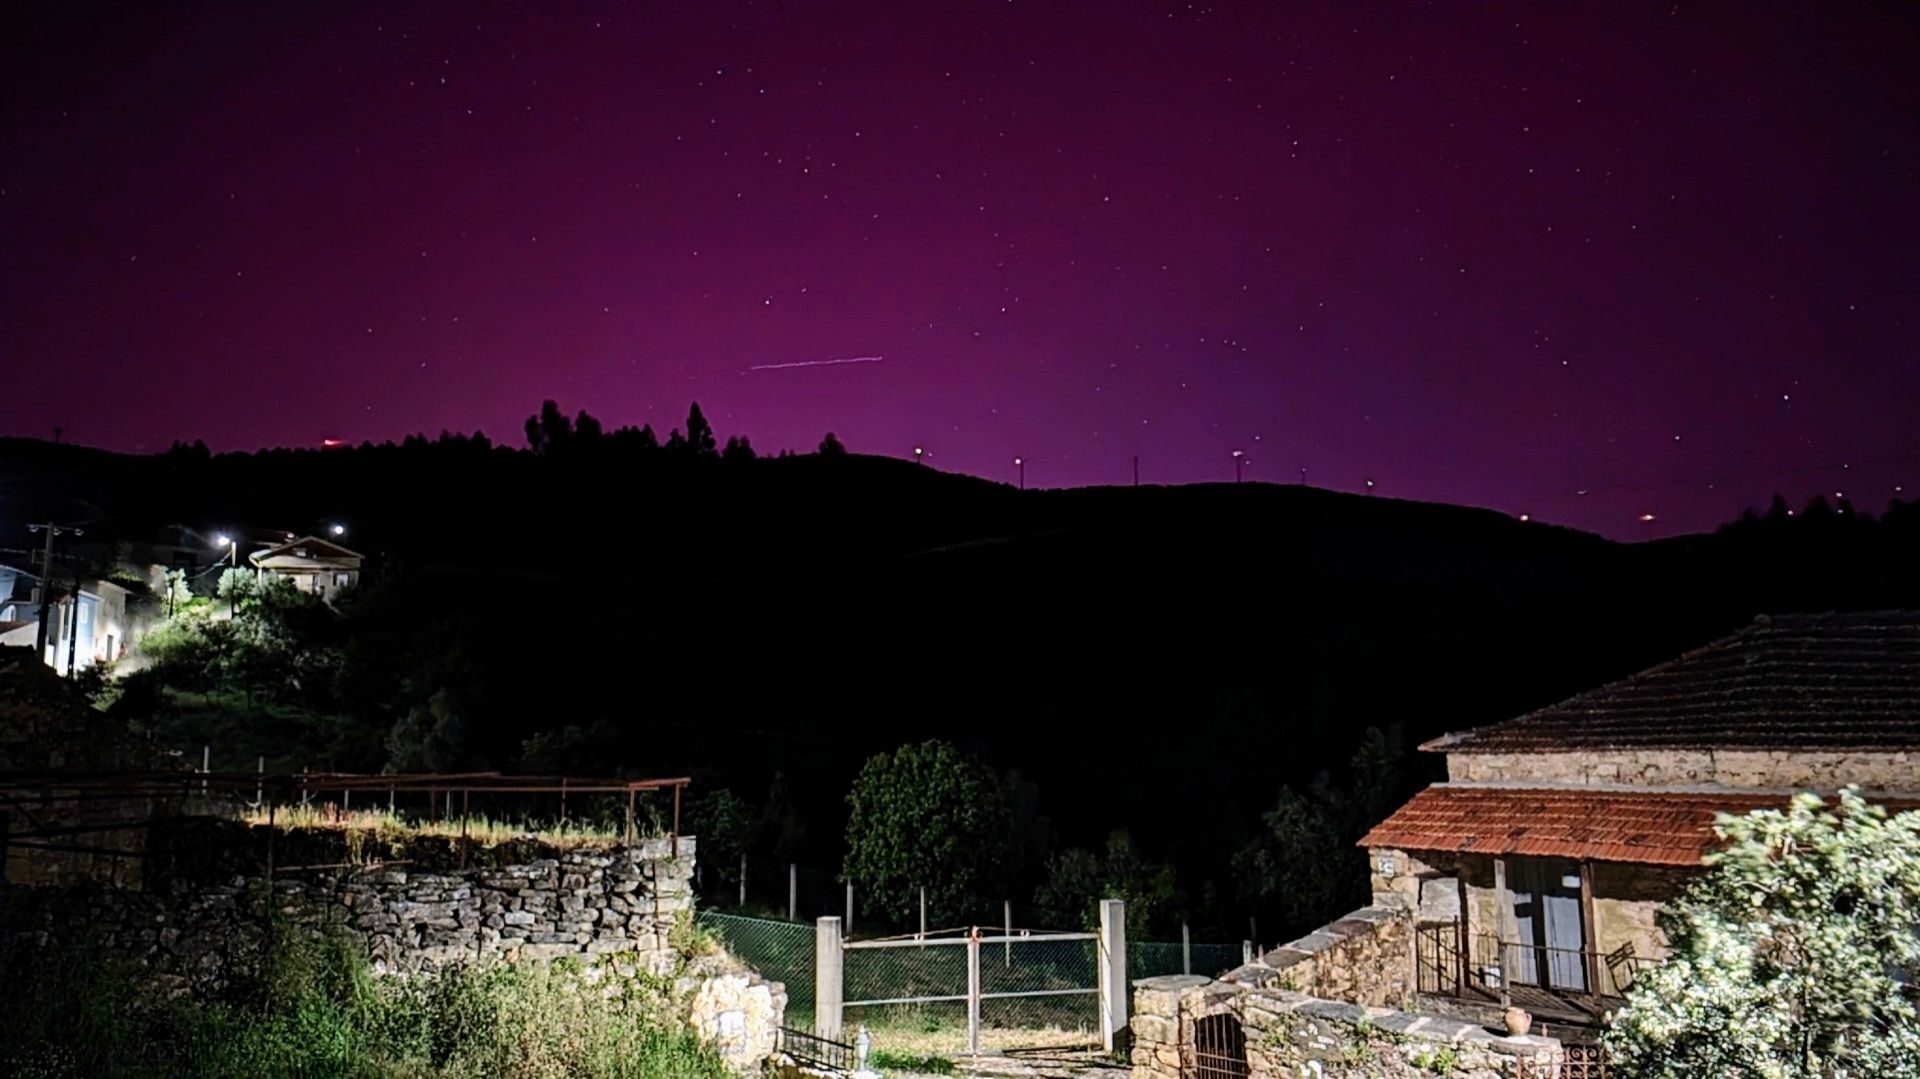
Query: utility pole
pixel 46 580
pixel 73 626
pixel 57 433
pixel 1021 464
pixel 1136 470
pixel 1239 460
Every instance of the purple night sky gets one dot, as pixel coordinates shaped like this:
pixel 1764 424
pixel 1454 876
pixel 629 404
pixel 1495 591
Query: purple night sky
pixel 1491 254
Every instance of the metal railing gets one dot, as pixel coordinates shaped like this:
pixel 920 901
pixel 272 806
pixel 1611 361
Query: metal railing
pixel 815 1050
pixel 1492 969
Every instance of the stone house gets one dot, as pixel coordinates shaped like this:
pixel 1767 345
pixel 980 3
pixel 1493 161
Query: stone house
pixel 1535 872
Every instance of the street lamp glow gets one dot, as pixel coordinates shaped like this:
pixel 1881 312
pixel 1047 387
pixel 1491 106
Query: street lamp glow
pixel 337 530
pixel 221 539
pixel 1018 461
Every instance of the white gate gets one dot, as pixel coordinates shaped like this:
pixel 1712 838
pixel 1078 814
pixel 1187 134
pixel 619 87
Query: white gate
pixel 1024 979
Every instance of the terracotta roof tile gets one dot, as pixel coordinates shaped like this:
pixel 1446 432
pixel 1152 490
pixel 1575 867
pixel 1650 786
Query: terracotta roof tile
pixel 1650 827
pixel 1825 681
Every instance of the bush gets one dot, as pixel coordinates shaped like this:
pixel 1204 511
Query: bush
pixel 313 1009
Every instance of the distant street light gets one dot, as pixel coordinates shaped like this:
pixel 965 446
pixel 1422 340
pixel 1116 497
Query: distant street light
pixel 1369 486
pixel 1021 464
pixel 920 454
pixel 1239 459
pixel 337 530
pixel 221 539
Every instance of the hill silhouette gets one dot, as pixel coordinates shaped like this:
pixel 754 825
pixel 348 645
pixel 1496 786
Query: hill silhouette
pixel 1158 659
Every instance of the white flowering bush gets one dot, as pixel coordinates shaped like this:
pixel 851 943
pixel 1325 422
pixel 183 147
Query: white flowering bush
pixel 1793 956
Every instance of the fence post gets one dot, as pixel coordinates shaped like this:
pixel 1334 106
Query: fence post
pixel 743 880
pixel 1246 952
pixel 923 913
pixel 206 765
pixel 1006 910
pixel 973 991
pixel 1113 971
pixel 827 956
pixel 1186 950
pixel 793 892
pixel 849 926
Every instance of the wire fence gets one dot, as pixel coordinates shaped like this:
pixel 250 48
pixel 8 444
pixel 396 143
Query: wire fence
pixel 915 995
pixel 780 951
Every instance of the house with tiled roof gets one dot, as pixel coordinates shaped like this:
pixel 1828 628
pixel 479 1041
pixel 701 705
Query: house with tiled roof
pixel 321 567
pixel 1536 871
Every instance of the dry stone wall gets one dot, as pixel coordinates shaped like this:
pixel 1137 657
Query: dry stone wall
pixel 617 901
pixel 1291 1034
pixel 1365 957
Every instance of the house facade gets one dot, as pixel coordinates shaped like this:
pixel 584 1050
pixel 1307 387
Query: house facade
pixel 317 566
pixel 1536 872
pixel 85 625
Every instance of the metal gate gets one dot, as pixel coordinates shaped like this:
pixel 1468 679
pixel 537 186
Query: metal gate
pixel 1008 989
pixel 1025 981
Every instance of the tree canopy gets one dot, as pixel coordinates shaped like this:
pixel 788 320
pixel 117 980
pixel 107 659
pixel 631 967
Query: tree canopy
pixel 1792 958
pixel 926 816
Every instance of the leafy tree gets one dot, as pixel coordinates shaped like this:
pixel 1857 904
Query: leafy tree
pixel 586 428
pixel 1078 879
pixel 1789 956
pixel 738 449
pixel 830 446
pixel 700 440
pixel 431 737
pixel 926 816
pixel 723 823
pixel 676 442
pixel 1292 869
pixel 1301 868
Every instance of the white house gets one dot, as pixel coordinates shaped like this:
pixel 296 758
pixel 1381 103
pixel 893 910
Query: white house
pixel 83 629
pixel 321 567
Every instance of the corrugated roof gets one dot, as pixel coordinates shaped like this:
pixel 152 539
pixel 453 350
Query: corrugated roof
pixel 1646 827
pixel 1819 681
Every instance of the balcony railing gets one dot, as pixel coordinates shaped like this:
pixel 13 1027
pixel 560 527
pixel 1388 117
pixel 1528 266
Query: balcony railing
pixel 1567 981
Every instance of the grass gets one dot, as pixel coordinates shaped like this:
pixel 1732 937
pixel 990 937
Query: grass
pixel 893 1060
pixel 313 1010
pixel 481 830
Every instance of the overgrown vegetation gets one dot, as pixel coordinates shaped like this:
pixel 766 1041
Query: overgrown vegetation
pixel 314 1010
pixel 1793 958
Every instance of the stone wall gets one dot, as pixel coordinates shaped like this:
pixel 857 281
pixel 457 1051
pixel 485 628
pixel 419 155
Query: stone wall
pixel 588 902
pixel 1759 769
pixel 1365 958
pixel 1291 1034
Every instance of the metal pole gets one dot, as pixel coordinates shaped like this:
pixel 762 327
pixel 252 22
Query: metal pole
pixel 260 780
pixel 743 879
pixel 923 913
pixel 793 892
pixel 206 765
pixel 1186 950
pixel 973 991
pixel 849 926
pixel 1006 918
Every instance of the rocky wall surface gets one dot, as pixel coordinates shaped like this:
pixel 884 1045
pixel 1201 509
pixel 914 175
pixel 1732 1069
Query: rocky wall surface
pixel 1283 1033
pixel 1364 958
pixel 587 902
pixel 1782 769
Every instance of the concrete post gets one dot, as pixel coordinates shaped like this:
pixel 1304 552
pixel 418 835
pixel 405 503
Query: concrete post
pixel 1113 971
pixel 743 880
pixel 973 991
pixel 793 892
pixel 1006 917
pixel 1186 950
pixel 849 925
pixel 828 953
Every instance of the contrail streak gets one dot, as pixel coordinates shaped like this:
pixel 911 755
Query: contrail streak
pixel 815 363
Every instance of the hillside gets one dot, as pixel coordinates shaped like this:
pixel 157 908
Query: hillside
pixel 1156 659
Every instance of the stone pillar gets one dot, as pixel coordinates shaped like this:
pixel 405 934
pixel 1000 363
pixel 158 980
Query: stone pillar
pixel 1113 971
pixel 827 955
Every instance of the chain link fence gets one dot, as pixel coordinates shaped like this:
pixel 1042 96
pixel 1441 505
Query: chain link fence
pixel 780 951
pixel 1152 959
